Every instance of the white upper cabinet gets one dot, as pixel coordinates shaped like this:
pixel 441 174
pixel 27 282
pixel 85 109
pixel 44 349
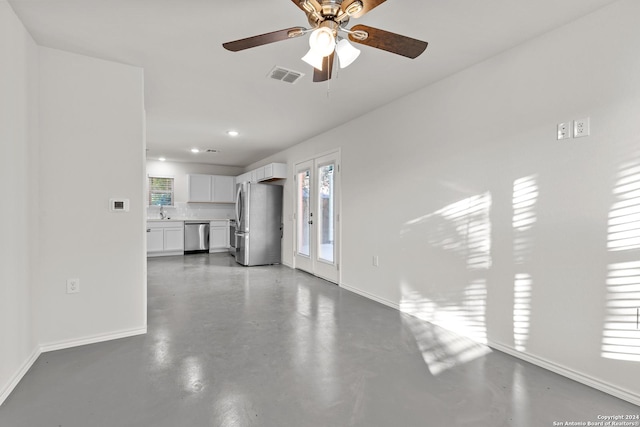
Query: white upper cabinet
pixel 265 173
pixel 245 177
pixel 211 188
pixel 273 171
pixel 199 188
pixel 223 189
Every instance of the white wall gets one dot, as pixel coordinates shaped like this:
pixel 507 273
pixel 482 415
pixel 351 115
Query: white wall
pixel 18 213
pixel 428 186
pixel 92 149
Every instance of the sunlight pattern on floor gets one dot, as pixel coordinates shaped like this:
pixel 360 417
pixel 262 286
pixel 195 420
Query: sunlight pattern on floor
pixel 465 317
pixel 442 349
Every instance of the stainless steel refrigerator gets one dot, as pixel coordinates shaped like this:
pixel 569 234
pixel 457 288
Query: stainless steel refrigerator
pixel 258 223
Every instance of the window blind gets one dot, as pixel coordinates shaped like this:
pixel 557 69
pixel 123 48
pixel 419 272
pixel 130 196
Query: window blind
pixel 160 191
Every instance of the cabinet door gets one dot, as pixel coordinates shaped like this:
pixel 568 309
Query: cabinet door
pixel 223 189
pixel 273 171
pixel 199 188
pixel 259 174
pixel 268 171
pixel 173 239
pixel 244 177
pixel 219 238
pixel 155 240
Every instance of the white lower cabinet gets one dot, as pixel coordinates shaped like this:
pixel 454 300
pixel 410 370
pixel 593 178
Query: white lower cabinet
pixel 218 236
pixel 174 239
pixel 165 238
pixel 155 240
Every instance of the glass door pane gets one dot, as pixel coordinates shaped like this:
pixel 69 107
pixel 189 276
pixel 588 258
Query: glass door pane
pixel 326 226
pixel 304 217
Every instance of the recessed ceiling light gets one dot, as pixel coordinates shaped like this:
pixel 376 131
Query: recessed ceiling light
pixel 162 159
pixel 195 150
pixel 232 133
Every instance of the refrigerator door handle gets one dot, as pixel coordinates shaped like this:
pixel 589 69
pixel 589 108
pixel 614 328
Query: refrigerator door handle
pixel 238 201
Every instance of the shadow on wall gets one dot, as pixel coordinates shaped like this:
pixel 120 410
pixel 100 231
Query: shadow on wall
pixel 621 332
pixel 453 247
pixel 525 196
pixel 458 239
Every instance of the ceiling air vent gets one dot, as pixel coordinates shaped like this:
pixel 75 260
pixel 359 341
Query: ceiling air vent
pixel 284 75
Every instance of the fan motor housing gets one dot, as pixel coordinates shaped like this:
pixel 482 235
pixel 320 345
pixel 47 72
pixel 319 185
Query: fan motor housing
pixel 329 11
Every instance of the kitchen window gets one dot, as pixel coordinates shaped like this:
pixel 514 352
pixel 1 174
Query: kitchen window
pixel 160 191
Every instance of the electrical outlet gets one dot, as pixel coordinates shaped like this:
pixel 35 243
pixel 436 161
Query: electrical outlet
pixel 375 260
pixel 73 286
pixel 581 128
pixel 564 130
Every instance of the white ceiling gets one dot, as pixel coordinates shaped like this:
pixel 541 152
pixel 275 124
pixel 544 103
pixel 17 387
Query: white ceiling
pixel 195 90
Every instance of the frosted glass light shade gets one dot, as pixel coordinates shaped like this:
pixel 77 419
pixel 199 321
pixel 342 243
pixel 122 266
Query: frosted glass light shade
pixel 322 41
pixel 313 59
pixel 346 53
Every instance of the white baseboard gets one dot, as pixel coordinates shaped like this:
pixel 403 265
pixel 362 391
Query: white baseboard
pixel 535 360
pixel 569 373
pixel 370 296
pixel 13 382
pixel 59 345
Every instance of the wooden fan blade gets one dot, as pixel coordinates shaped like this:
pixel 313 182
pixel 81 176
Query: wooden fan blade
pixel 391 42
pixel 327 68
pixel 367 5
pixel 262 39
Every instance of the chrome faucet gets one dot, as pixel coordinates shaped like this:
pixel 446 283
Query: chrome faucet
pixel 162 214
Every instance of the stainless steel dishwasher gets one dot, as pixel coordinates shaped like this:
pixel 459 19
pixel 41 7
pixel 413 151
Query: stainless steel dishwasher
pixel 196 237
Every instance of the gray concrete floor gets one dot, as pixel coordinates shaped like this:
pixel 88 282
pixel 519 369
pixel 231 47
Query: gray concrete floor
pixel 269 346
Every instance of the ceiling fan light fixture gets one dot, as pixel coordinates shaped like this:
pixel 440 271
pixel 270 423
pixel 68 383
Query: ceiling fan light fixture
pixel 347 53
pixel 322 41
pixel 313 59
pixel 353 8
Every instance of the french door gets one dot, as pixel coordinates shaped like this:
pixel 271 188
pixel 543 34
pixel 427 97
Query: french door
pixel 317 214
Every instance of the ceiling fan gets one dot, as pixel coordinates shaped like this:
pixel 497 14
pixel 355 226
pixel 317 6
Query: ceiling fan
pixel 329 18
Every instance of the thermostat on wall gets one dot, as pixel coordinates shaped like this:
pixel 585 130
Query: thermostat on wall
pixel 119 205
